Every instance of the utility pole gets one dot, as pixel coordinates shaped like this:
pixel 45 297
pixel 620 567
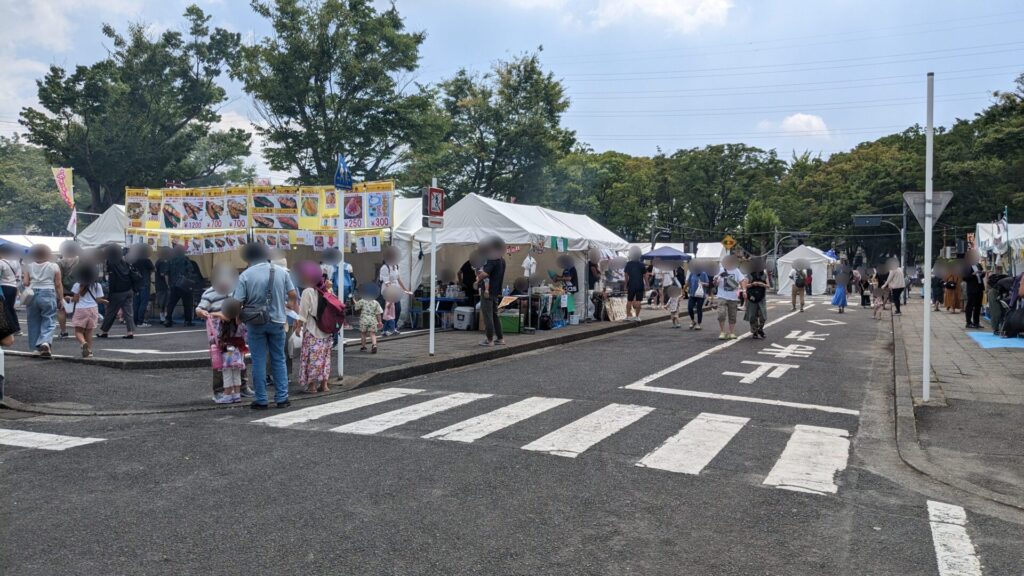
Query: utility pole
pixel 926 364
pixel 654 227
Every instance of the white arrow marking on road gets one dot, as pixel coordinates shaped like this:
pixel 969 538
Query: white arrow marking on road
pixel 641 383
pixel 148 351
pixel 480 426
pixel 575 438
pixel 770 369
pixel 696 445
pixel 26 439
pixel 388 420
pixel 954 550
pixel 812 458
pixel 805 336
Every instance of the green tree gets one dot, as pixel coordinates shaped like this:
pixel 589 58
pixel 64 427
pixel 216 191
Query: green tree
pixel 329 81
pixel 29 201
pixel 136 117
pixel 760 223
pixel 502 132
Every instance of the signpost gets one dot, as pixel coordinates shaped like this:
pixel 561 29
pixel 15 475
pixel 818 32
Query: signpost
pixel 433 218
pixel 929 207
pixel 729 242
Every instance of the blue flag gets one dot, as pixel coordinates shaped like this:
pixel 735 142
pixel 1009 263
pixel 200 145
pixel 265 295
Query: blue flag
pixel 342 177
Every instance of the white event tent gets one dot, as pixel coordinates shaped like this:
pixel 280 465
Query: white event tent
pixel 108 228
pixel 817 261
pixel 475 218
pixel 710 251
pixel 1007 240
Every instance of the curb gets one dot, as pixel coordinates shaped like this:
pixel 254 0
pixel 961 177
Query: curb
pixel 157 363
pixel 369 378
pixel 908 445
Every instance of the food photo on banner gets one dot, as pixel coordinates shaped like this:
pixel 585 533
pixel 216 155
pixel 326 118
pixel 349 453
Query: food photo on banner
pixel 236 203
pixel 136 202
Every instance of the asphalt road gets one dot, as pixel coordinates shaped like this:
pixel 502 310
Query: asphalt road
pixel 627 454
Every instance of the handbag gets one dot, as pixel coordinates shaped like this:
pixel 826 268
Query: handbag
pixel 259 314
pixel 26 296
pixel 699 292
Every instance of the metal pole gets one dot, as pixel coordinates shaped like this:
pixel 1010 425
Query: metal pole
pixel 926 364
pixel 433 279
pixel 341 278
pixel 903 253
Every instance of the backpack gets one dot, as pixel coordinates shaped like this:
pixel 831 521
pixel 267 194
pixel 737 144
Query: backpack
pixel 124 277
pixel 544 322
pixel 800 280
pixel 330 312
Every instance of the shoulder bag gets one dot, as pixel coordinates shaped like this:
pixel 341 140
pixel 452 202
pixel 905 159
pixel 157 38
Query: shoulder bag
pixel 259 314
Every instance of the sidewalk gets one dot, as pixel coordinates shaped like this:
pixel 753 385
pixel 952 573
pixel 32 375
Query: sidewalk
pixel 969 433
pixel 85 388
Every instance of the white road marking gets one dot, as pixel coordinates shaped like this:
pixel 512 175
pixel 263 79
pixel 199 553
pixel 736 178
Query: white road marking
pixel 148 334
pixel 666 371
pixel 750 399
pixel 573 439
pixel 693 447
pixel 770 369
pixel 802 336
pixel 43 441
pixel 827 322
pixel 812 458
pixel 480 426
pixel 313 412
pixel 156 352
pixel 954 551
pixel 388 420
pixel 789 351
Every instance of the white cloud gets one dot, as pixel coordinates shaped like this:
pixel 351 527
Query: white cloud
pixel 799 124
pixel 683 16
pixel 50 23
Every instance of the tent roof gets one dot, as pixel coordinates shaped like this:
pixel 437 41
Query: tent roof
pixel 108 228
pixel 809 253
pixel 408 218
pixel 711 251
pixel 474 218
pixel 27 241
pixel 985 235
pixel 666 253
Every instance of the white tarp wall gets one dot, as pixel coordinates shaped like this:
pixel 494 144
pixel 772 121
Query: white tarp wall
pixel 108 228
pixel 1006 240
pixel 710 251
pixel 818 262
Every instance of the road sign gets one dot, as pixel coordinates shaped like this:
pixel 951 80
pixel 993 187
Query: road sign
pixel 433 207
pixel 729 242
pixel 867 221
pixel 916 202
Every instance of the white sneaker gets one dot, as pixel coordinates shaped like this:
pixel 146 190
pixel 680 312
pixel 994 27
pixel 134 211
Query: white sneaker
pixel 236 398
pixel 223 399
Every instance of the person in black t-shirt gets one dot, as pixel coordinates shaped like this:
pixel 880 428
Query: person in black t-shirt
pixel 161 269
pixel 138 256
pixel 756 289
pixel 467 278
pixel 494 273
pixel 636 285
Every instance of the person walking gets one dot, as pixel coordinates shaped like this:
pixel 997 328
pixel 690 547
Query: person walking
pixel 808 285
pixel 70 255
pixel 181 281
pixel 756 288
pixel 974 278
pixel 800 280
pixel 44 288
pixel 121 279
pixel 315 356
pixel 228 355
pixel 389 276
pixel 636 285
pixel 138 257
pixel 697 285
pixel 86 296
pixel 995 298
pixel 896 283
pixel 729 281
pixel 209 309
pixel 10 280
pixel 491 278
pixel 370 313
pixel 839 298
pixel 160 281
pixel 265 291
pixel 938 289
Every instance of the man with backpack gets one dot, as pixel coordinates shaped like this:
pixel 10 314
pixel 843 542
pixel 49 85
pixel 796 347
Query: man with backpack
pixel 122 278
pixel 800 281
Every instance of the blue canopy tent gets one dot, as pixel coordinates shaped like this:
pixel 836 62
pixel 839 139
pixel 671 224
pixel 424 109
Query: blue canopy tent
pixel 667 253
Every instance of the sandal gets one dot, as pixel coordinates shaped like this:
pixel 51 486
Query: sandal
pixel 373 350
pixel 362 348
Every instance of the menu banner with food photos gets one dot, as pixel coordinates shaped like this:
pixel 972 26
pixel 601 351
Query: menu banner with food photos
pixel 154 205
pixel 273 238
pixel 213 208
pixel 136 201
pixel 311 200
pixel 236 206
pixel 193 205
pixel 369 206
pixel 275 207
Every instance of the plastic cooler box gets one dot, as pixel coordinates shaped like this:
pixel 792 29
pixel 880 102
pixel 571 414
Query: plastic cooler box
pixel 462 318
pixel 510 323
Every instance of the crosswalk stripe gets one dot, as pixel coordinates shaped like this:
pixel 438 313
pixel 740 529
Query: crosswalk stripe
pixel 575 438
pixel 693 447
pixel 43 441
pixel 313 412
pixel 812 458
pixel 954 551
pixel 480 426
pixel 387 420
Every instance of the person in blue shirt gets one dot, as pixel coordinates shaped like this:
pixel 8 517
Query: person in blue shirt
pixel 697 286
pixel 266 339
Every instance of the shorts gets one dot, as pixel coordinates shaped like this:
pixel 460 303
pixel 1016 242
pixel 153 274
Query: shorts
pixel 727 311
pixel 635 294
pixel 85 318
